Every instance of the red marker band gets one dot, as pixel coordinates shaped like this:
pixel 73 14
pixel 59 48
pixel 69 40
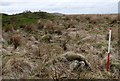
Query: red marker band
pixel 108 61
pixel 110 28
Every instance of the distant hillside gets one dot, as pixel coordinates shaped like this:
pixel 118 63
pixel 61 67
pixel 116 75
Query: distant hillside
pixel 25 18
pixel 60 14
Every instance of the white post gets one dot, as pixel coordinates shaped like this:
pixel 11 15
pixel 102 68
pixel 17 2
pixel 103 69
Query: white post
pixel 108 59
pixel 109 40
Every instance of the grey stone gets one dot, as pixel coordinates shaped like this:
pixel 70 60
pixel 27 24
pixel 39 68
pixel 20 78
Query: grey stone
pixel 74 65
pixel 77 59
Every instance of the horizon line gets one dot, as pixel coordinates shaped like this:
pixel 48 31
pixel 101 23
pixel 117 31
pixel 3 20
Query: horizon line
pixel 55 12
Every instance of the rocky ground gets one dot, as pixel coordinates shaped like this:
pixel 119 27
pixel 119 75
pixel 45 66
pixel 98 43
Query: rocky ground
pixel 70 46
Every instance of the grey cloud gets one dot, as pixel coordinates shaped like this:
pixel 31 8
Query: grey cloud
pixel 5 3
pixel 62 7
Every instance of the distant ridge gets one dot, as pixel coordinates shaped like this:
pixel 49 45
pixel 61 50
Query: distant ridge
pixel 59 14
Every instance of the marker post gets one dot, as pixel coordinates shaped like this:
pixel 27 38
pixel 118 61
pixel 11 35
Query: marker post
pixel 108 59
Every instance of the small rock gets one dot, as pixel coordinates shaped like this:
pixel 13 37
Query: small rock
pixel 82 65
pixel 74 65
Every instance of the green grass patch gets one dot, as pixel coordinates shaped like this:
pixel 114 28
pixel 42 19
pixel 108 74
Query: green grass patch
pixel 24 18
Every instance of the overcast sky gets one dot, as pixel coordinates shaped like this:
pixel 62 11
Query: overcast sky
pixel 61 6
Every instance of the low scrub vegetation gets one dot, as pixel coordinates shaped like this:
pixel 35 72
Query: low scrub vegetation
pixel 40 45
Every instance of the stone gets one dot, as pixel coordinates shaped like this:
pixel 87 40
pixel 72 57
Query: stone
pixel 82 65
pixel 74 65
pixel 71 56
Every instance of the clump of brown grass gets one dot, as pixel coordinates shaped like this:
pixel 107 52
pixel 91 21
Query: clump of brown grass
pixel 67 18
pixel 91 75
pixel 111 19
pixel 9 28
pixel 22 26
pixel 46 38
pixel 50 50
pixel 31 28
pixel 41 25
pixel 16 40
pixel 18 67
pixel 49 27
pixel 94 20
pixel 58 29
pixel 87 17
pixel 57 69
pixel 114 35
